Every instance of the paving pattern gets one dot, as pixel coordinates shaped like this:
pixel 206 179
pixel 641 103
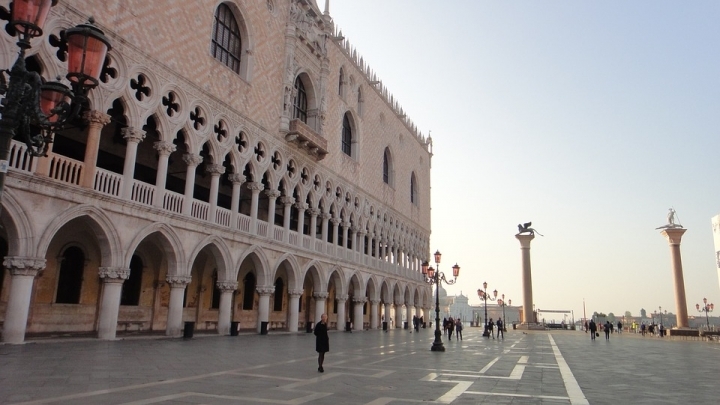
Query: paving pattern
pixel 372 368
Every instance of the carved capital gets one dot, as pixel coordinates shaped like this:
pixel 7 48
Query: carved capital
pixel 265 290
pixel 192 159
pixel 359 300
pixel 164 148
pixel 313 212
pixel 375 302
pixel 301 206
pixel 273 194
pixel 295 293
pixel 178 281
pixel 236 178
pixel 95 117
pixel 354 229
pixel 227 286
pixel 320 295
pixel 215 169
pixel 335 221
pixel 131 134
pixel 287 200
pixel 325 215
pixel 255 186
pixel 341 298
pixel 24 266
pixel 113 274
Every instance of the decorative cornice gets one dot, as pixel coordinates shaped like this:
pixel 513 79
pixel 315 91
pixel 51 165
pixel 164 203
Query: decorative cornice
pixel 131 134
pixel 110 274
pixel 192 159
pixel 24 266
pixel 178 281
pixel 227 286
pixel 164 148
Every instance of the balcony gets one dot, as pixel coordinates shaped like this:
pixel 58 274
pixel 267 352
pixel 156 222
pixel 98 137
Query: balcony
pixel 305 139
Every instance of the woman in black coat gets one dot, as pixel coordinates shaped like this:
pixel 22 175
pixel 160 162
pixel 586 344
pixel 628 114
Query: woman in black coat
pixel 322 341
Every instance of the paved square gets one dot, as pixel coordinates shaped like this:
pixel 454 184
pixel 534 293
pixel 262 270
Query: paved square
pixel 362 368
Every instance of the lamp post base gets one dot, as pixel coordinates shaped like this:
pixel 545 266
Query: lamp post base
pixel 437 344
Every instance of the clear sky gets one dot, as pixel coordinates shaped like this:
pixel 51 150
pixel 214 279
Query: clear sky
pixel 590 119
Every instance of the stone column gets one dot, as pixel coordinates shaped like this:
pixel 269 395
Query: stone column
pixel 112 280
pixel 353 237
pixel 294 309
pixel 133 136
pixel 237 180
pixel 313 226
pixel 398 314
pixel 177 284
pixel 528 315
pixel 215 172
pixel 255 188
pixel 324 227
pixel 287 204
pixel 409 309
pixel 320 298
pixel 264 305
pixel 301 207
pixel 335 222
pixel 96 121
pixel 165 149
pixel 272 196
pixel 341 317
pixel 227 289
pixel 673 236
pixel 192 161
pixel 345 228
pixel 358 321
pixel 22 276
pixel 374 311
pixel 388 313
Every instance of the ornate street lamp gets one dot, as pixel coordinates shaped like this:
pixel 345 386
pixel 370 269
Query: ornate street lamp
pixel 706 308
pixel 433 276
pixel 485 297
pixel 32 110
pixel 501 302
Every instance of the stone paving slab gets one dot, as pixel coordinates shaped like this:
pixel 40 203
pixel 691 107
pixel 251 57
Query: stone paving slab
pixel 374 368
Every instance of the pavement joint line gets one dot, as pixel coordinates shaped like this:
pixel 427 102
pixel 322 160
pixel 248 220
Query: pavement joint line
pixel 571 385
pixel 490 364
pixel 454 392
pixel 294 401
pixel 503 394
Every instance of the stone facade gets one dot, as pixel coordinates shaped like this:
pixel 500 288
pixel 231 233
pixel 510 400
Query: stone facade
pixel 191 192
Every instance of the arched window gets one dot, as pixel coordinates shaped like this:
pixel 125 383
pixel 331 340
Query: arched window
pixel 300 103
pixel 71 276
pixel 347 136
pixel 278 297
pixel 413 189
pixel 132 286
pixel 215 302
pixel 387 167
pixel 226 42
pixel 249 291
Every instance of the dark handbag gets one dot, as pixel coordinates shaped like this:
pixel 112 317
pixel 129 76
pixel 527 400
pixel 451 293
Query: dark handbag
pixel 597 334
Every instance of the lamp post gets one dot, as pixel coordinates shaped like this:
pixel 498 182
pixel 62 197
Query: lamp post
pixel 33 110
pixel 436 277
pixel 660 310
pixel 485 297
pixel 706 308
pixel 501 302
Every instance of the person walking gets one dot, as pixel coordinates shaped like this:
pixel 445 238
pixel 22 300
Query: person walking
pixel 458 329
pixel 608 329
pixel 619 327
pixel 642 329
pixel 322 341
pixel 451 327
pixel 490 326
pixel 500 327
pixel 593 329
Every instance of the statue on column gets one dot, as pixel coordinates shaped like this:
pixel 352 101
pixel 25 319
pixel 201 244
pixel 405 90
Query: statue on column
pixel 670 220
pixel 526 228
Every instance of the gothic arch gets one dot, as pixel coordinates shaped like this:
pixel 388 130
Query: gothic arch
pixel 169 242
pixel 221 253
pixel 17 226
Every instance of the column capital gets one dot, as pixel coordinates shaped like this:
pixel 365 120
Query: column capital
pixel 265 290
pixel 255 186
pixel 164 148
pixel 273 193
pixel 285 200
pixel 325 215
pixel 131 134
pixel 346 224
pixel 295 293
pixel 24 266
pixel 227 286
pixel 375 302
pixel 321 295
pixel 673 235
pixel 95 117
pixel 236 178
pixel 178 281
pixel 313 212
pixel 525 240
pixel 192 159
pixel 301 206
pixel 359 300
pixel 341 297
pixel 334 220
pixel 113 274
pixel 215 169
